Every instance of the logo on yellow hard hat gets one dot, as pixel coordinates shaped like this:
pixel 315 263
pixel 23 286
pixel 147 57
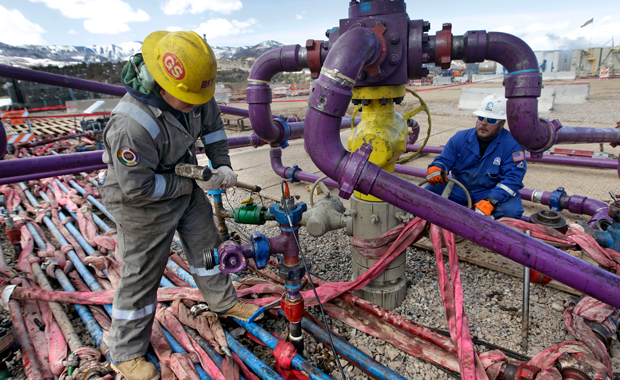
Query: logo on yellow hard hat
pixel 174 66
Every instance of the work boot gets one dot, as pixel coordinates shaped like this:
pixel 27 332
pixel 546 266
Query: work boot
pixel 242 311
pixel 137 369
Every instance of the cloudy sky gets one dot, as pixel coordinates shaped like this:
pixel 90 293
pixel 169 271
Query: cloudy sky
pixel 544 25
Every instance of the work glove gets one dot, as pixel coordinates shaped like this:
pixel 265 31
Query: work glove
pixel 484 207
pixel 230 178
pixel 436 175
pixel 214 182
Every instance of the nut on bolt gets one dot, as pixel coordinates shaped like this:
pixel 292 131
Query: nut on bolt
pixel 394 38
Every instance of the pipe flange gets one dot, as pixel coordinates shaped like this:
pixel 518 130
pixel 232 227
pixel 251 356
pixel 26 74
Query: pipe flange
pixel 91 369
pixel 579 369
pixel 414 50
pixel 443 46
pixel 313 48
pixel 548 218
pixel 374 69
pixel 291 174
pixel 258 93
pixel 475 42
pixel 524 83
pixel 353 170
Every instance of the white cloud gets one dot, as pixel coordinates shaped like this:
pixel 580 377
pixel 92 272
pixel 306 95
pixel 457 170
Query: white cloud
pixel 179 7
pixel 540 27
pixel 71 31
pixel 174 28
pixel 219 27
pixel 100 16
pixel 299 17
pixel 504 29
pixel 15 29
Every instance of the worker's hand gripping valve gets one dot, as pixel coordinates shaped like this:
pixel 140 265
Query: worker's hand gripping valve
pixel 485 206
pixel 436 175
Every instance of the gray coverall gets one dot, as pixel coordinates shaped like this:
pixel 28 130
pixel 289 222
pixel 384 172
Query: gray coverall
pixel 149 202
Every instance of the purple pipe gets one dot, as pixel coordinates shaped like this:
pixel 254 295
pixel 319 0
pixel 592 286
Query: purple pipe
pixel 354 172
pixel 287 58
pixel 285 171
pixel 602 163
pixel 523 84
pixel 576 204
pixel 60 80
pixel 29 177
pixel 3 141
pixel 45 164
pixel 574 135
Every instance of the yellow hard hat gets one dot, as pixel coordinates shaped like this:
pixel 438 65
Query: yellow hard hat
pixel 182 63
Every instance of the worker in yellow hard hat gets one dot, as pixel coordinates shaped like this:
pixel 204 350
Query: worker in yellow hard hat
pixel 168 107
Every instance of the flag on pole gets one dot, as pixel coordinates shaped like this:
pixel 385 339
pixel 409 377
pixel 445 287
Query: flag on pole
pixel 590 21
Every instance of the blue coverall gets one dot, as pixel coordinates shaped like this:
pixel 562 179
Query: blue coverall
pixel 499 174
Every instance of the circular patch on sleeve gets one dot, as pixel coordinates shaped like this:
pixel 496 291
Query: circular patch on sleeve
pixel 128 156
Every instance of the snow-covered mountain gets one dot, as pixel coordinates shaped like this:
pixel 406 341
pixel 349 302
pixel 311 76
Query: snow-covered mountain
pixel 39 55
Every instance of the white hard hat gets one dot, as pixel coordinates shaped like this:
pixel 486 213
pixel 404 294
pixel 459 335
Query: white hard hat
pixel 493 106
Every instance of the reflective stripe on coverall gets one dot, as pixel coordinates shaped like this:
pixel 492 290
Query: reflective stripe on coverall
pixel 499 174
pixel 149 202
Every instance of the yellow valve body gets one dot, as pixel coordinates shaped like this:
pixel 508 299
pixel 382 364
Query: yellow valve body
pixel 381 127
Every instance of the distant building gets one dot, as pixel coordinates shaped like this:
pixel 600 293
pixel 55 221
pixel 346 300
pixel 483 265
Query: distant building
pixel 552 61
pixel 591 61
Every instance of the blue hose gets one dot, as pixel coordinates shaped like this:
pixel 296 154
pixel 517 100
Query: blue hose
pixel 250 359
pixel 182 273
pixel 214 355
pixel 369 365
pixel 177 348
pixel 93 327
pixel 90 198
pixel 298 361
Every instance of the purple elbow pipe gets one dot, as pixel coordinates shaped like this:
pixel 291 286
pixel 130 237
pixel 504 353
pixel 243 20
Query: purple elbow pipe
pixel 353 171
pixel 299 175
pixel 287 58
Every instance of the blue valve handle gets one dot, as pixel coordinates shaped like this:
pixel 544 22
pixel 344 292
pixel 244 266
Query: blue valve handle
pixel 265 308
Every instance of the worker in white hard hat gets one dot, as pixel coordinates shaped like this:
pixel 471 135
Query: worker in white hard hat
pixel 486 160
pixel 168 107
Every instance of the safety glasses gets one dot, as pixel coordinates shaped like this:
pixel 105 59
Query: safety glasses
pixel 489 120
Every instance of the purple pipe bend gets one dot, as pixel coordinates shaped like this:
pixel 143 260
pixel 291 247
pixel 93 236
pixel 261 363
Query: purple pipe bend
pixel 285 171
pixel 349 53
pixel 258 94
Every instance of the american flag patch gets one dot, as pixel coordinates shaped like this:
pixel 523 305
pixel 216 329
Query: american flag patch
pixel 518 156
